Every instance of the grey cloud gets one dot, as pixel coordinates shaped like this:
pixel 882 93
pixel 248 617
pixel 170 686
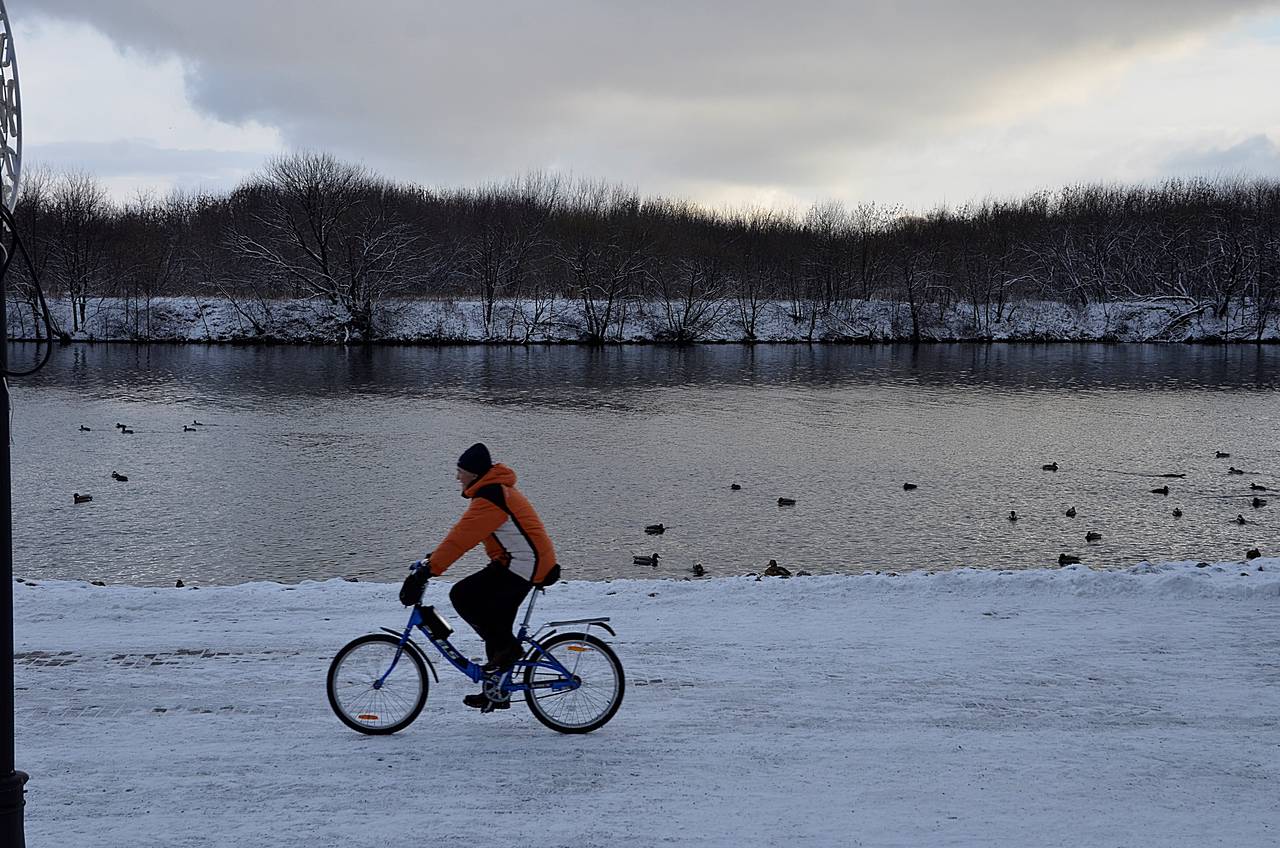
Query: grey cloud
pixel 658 94
pixel 1257 156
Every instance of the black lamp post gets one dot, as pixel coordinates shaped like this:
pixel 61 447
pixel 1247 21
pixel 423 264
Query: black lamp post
pixel 12 833
pixel 11 780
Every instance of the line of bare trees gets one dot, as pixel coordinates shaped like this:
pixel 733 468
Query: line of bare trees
pixel 311 227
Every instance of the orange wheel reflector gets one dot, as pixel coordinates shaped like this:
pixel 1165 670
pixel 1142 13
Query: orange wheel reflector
pixel 579 648
pixel 367 717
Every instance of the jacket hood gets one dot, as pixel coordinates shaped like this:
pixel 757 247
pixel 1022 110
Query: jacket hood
pixel 499 473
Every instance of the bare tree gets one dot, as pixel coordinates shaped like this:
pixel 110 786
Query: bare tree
pixel 868 223
pixel 327 227
pixel 78 235
pixel 752 264
pixel 828 229
pixel 312 228
pixel 158 231
pixel 33 214
pixel 507 239
pixel 914 256
pixel 604 249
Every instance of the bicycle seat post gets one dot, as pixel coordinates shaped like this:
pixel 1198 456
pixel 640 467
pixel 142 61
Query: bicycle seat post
pixel 528 611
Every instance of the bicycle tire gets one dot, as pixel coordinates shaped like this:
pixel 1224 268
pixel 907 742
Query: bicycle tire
pixel 351 694
pixel 590 709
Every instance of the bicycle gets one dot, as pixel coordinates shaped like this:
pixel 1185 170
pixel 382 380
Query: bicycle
pixel 573 681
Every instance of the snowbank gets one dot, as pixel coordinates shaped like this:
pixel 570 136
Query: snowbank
pixel 190 319
pixel 1069 707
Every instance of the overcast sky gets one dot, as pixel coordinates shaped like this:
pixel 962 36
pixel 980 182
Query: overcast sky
pixel 919 102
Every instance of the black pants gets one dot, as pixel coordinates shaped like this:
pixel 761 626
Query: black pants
pixel 489 600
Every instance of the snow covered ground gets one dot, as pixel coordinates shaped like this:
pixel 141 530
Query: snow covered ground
pixel 1034 708
pixel 560 320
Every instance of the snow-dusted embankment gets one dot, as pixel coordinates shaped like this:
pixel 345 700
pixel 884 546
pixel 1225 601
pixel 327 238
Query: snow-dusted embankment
pixel 1040 708
pixel 218 319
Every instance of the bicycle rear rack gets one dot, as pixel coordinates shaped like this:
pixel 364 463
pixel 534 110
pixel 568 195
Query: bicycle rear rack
pixel 599 621
pixel 552 626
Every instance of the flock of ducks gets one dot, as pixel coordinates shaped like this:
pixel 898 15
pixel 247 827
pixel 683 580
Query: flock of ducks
pixel 1090 537
pixel 1093 536
pixel 651 560
pixel 124 429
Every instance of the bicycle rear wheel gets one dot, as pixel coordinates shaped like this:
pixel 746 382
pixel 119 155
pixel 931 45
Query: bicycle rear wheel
pixel 586 707
pixel 359 702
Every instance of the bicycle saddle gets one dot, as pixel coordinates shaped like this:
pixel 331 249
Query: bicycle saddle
pixel 553 576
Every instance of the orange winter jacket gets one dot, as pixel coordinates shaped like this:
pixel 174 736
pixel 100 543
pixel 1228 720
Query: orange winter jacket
pixel 501 518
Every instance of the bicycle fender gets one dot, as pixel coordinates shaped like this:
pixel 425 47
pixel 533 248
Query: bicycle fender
pixel 413 646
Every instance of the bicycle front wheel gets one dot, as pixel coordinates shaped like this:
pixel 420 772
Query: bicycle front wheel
pixel 586 707
pixel 358 699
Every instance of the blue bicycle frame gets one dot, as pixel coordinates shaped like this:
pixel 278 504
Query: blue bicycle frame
pixel 565 682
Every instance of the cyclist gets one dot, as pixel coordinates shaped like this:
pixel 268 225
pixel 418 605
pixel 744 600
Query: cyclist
pixel 520 557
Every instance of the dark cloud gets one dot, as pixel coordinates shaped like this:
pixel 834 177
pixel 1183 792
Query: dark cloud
pixel 659 94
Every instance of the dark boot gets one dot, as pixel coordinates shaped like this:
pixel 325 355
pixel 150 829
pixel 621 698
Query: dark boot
pixel 503 659
pixel 480 701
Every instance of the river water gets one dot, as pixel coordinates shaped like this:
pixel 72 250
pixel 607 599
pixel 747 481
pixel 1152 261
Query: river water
pixel 316 462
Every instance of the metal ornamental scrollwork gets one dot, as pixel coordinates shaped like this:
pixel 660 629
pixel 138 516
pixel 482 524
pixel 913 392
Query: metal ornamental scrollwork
pixel 10 116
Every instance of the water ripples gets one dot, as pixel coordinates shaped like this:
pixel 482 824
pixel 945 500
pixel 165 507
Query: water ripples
pixel 321 462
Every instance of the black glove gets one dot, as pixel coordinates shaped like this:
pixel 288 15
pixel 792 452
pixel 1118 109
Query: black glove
pixel 411 591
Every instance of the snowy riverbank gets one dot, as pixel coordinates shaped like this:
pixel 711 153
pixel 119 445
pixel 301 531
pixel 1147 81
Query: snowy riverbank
pixel 1064 707
pixel 191 319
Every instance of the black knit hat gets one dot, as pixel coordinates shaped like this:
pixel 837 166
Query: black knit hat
pixel 476 459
